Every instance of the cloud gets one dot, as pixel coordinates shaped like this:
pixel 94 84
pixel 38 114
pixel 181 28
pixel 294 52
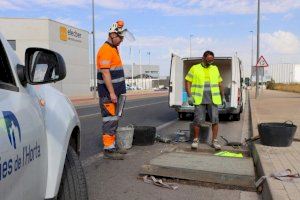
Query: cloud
pixel 59 3
pixel 281 42
pixel 8 5
pixel 68 21
pixel 172 7
pixel 288 17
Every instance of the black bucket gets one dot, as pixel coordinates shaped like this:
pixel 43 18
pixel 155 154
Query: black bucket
pixel 277 134
pixel 144 135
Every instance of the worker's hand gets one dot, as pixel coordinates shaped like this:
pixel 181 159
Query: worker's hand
pixel 113 98
pixel 223 101
pixel 191 101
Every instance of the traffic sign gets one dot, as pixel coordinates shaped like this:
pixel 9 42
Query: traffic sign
pixel 262 62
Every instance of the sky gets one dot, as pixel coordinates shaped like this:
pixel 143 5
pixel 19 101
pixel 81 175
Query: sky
pixel 166 27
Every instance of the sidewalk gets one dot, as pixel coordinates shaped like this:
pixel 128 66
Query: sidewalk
pixel 276 106
pixel 136 94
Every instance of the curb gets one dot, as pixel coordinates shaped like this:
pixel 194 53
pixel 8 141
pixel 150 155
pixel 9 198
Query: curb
pixel 260 169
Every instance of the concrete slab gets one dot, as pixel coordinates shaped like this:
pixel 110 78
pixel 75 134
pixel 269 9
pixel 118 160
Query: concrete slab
pixel 204 168
pixel 205 148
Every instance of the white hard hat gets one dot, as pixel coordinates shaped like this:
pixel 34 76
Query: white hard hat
pixel 118 27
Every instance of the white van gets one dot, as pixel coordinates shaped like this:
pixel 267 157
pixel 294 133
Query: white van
pixel 230 69
pixel 39 129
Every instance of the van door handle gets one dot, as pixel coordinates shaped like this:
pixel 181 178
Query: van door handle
pixel 170 88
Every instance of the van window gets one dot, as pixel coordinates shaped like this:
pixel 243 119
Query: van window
pixel 6 77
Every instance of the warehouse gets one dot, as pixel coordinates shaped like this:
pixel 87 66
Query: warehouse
pixel 72 43
pixel 284 73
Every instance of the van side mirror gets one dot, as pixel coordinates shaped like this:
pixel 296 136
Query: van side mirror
pixel 44 66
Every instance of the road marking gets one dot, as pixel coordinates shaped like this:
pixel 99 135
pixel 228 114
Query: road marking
pixel 91 160
pixel 129 101
pixel 159 128
pixel 150 104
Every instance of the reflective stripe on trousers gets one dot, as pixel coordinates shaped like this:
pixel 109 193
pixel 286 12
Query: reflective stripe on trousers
pixel 109 123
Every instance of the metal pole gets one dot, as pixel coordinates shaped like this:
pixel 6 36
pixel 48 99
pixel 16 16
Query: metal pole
pixel 94 57
pixel 149 67
pixel 191 45
pixel 257 52
pixel 140 55
pixel 131 68
pixel 251 56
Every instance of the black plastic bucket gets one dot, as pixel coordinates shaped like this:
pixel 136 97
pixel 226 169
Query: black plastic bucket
pixel 277 134
pixel 144 135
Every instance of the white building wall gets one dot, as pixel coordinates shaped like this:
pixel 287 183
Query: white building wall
pixel 45 33
pixel 297 73
pixel 284 73
pixel 75 51
pixel 26 32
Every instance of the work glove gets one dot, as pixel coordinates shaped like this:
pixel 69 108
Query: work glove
pixel 191 101
pixel 223 102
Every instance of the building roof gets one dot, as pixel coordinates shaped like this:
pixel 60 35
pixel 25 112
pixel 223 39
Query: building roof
pixel 20 18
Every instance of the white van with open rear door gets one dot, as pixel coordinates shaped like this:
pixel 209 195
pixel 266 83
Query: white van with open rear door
pixel 231 71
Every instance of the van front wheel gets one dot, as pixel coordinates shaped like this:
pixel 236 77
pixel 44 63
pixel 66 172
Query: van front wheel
pixel 73 184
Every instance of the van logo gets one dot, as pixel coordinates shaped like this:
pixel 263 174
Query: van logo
pixel 11 124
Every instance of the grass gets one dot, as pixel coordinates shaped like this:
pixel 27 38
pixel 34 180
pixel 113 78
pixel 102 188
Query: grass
pixel 293 87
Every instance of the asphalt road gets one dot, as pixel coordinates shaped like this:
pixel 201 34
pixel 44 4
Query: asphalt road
pixel 152 111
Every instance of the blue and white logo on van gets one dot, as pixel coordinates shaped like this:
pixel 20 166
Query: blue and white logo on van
pixel 11 124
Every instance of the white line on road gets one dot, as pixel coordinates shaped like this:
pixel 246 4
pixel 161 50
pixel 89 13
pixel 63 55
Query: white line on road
pixel 159 128
pixel 92 159
pixel 150 104
pixel 129 101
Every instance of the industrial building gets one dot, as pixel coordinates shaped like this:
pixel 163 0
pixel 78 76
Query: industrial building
pixel 72 43
pixel 147 71
pixel 143 77
pixel 284 73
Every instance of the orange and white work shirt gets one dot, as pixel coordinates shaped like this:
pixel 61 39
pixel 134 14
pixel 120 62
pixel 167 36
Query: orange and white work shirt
pixel 108 57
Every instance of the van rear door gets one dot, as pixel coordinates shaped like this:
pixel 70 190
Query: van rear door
pixel 176 81
pixel 235 82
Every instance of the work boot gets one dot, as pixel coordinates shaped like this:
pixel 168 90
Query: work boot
pixel 122 151
pixel 195 143
pixel 216 145
pixel 113 154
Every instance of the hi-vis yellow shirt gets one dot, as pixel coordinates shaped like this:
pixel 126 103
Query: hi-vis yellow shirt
pixel 205 80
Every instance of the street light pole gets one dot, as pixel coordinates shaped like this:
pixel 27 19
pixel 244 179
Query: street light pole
pixel 257 52
pixel 191 45
pixel 251 55
pixel 131 68
pixel 141 77
pixel 94 57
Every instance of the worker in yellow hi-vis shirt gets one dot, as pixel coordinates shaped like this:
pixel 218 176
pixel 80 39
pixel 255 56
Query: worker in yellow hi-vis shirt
pixel 205 91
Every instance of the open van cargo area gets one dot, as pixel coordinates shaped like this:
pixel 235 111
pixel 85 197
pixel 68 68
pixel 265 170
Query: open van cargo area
pixel 224 65
pixel 230 71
